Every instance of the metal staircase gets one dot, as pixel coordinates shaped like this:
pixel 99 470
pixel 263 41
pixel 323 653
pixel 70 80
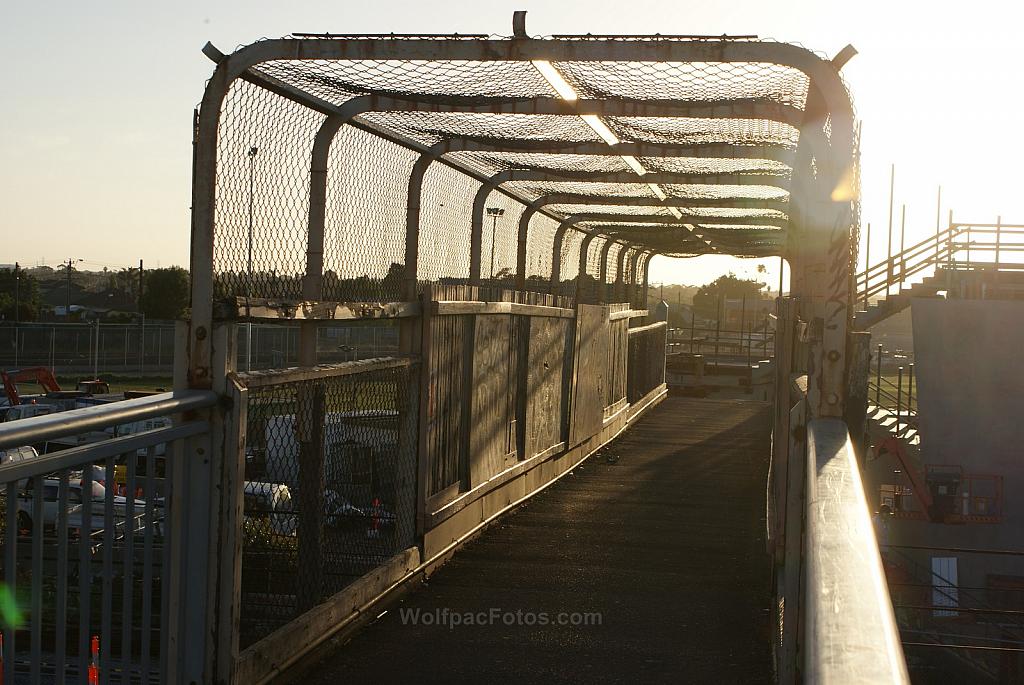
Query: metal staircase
pixel 962 260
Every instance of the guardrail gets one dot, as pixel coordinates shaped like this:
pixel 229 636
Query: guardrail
pixel 87 593
pixel 745 342
pixel 850 630
pixel 646 367
pixel 836 622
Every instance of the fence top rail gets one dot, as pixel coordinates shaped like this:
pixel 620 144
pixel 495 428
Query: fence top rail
pixel 626 313
pixel 61 424
pixel 447 307
pixel 992 226
pixel 648 328
pixel 256 379
pixel 95 451
pixel 850 625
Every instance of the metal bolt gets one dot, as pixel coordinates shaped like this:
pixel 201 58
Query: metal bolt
pixel 201 333
pixel 833 355
pixel 833 398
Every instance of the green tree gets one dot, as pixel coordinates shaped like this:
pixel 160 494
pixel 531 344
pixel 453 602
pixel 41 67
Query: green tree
pixel 705 301
pixel 24 293
pixel 165 293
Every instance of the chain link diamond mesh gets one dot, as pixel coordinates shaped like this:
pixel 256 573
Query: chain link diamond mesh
pixel 364 426
pixel 265 142
pixel 364 231
pixel 262 213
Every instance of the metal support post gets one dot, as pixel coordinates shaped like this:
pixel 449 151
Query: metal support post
pixel 603 274
pixel 859 372
pixel 888 251
pixel 476 233
pixel 899 398
pixel 521 243
pixel 999 233
pixel 903 237
pixel 911 409
pixel 878 378
pixel 867 266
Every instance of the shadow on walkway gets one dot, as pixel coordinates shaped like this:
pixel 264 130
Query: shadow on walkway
pixel 660 535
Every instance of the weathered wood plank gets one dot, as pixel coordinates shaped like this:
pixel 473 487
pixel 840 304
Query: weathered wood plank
pixel 448 308
pixel 590 371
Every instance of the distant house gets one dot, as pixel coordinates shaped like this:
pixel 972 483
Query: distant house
pixel 105 304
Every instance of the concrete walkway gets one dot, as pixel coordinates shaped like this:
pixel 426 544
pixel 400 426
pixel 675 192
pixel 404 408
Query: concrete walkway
pixel 661 534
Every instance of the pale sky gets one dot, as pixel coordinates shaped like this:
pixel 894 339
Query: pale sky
pixel 95 153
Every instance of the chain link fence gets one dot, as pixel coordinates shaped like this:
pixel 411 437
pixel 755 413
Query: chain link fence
pixel 89 348
pixel 329 493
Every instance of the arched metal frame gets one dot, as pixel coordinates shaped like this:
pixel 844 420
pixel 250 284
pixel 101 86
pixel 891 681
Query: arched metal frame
pixel 821 210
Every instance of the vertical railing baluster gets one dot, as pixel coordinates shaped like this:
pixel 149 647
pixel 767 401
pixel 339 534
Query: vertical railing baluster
pixel 938 222
pixel 903 236
pixel 145 626
pixel 878 378
pixel 36 616
pixel 85 572
pixel 107 582
pixel 128 589
pixel 10 576
pixel 60 642
pixel 999 232
pixel 899 397
pixel 911 406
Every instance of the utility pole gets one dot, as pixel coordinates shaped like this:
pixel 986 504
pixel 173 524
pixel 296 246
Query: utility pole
pixel 142 324
pixel 17 309
pixel 67 309
pixel 17 294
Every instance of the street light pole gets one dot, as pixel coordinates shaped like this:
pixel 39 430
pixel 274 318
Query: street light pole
pixel 248 294
pixel 494 213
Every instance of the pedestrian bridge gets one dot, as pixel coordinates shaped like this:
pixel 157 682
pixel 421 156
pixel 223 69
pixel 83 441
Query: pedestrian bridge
pixel 491 206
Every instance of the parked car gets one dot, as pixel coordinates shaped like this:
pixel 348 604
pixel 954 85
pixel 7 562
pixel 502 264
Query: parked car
pixel 270 502
pixel 75 498
pixel 28 411
pixel 15 454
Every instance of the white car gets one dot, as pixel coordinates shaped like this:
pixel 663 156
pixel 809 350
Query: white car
pixel 27 411
pixel 12 455
pixel 273 501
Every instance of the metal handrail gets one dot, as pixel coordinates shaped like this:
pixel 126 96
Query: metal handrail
pixel 883 275
pixel 95 451
pixel 61 424
pixel 938 250
pixel 859 642
pixel 904 403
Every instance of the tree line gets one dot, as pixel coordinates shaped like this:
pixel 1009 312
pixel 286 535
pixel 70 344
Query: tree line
pixel 30 294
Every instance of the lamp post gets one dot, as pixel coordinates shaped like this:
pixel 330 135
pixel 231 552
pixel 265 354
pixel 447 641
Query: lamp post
pixel 248 281
pixel 494 213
